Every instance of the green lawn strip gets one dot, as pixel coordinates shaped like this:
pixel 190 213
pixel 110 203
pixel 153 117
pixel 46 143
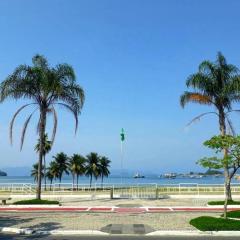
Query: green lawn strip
pixel 35 201
pixel 230 202
pixel 233 214
pixel 206 223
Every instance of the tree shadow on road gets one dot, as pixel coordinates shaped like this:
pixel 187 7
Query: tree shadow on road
pixel 14 222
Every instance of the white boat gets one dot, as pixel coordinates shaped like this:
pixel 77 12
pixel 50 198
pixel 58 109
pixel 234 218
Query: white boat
pixel 137 175
pixel 170 175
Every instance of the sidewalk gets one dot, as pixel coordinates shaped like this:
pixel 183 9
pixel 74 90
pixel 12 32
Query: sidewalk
pixel 97 215
pixel 49 221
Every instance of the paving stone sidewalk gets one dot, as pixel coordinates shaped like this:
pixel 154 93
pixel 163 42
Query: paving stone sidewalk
pixel 97 221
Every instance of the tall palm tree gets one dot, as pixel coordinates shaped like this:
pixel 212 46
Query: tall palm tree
pixel 92 166
pixel 215 84
pixel 47 145
pixel 46 87
pixel 62 163
pixel 77 166
pixel 34 172
pixel 53 172
pixel 104 165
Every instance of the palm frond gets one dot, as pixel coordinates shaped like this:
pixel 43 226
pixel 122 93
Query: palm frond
pixel 230 126
pixel 235 110
pixel 202 82
pixel 195 98
pixel 75 114
pixel 207 68
pixel 13 119
pixel 25 128
pixel 65 73
pixel 55 122
pixel 198 118
pixel 40 61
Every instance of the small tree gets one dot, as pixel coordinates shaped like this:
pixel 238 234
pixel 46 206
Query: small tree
pixel 104 165
pixel 230 162
pixel 62 162
pixel 92 166
pixel 52 172
pixel 47 145
pixel 77 166
pixel 34 172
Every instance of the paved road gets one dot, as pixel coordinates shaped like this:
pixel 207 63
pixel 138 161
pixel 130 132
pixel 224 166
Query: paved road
pixel 17 237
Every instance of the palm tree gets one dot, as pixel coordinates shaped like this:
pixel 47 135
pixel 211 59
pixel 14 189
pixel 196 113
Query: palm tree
pixel 92 166
pixel 62 163
pixel 77 166
pixel 50 177
pixel 52 172
pixel 46 87
pixel 34 172
pixel 47 145
pixel 215 84
pixel 82 168
pixel 104 165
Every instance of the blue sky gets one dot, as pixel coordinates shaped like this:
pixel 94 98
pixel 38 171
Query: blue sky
pixel 132 59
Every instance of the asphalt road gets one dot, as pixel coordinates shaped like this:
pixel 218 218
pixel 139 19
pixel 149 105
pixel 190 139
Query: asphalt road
pixel 19 237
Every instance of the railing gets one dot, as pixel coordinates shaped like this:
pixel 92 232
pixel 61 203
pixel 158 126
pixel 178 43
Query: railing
pixel 124 191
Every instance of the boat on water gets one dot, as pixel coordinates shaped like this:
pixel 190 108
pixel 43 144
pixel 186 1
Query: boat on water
pixel 170 175
pixel 138 175
pixel 196 176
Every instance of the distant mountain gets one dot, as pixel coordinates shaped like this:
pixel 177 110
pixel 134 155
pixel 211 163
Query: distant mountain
pixel 17 171
pixel 3 174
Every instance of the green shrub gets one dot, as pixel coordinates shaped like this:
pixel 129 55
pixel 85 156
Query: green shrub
pixel 35 201
pixel 230 202
pixel 205 223
pixel 233 214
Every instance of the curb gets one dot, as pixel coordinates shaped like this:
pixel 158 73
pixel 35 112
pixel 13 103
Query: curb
pixel 194 233
pixel 222 206
pixel 26 231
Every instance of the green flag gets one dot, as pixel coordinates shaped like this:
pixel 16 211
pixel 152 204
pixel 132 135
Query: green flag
pixel 122 134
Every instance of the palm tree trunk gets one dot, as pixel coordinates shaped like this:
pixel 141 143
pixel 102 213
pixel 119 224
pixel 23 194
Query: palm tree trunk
pixel 41 137
pixel 102 180
pixel 77 180
pixel 60 180
pixel 227 184
pixel 91 181
pixel 51 184
pixel 73 176
pixel 45 177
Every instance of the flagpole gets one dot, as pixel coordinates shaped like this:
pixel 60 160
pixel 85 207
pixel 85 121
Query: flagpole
pixel 122 139
pixel 121 162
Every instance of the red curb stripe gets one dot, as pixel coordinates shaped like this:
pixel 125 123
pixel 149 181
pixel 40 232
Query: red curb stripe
pixel 129 210
pixel 100 209
pixel 159 209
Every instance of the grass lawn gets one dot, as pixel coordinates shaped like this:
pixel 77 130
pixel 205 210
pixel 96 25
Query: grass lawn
pixel 205 223
pixel 230 202
pixel 233 214
pixel 35 201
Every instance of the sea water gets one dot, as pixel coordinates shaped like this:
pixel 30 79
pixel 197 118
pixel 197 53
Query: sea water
pixel 125 180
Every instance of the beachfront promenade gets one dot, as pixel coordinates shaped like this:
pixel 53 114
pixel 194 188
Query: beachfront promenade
pixel 105 215
pixel 150 190
pixel 112 209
